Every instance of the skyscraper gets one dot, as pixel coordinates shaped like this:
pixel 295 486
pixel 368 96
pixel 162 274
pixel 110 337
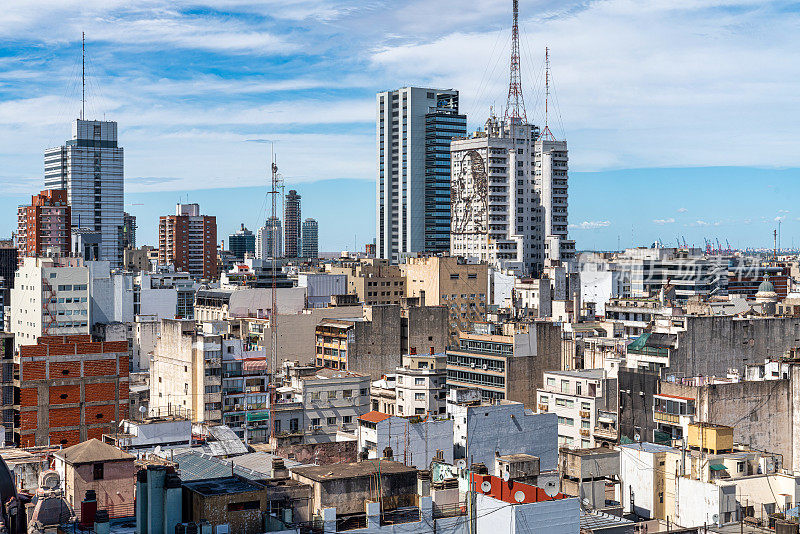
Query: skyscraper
pixel 310 239
pixel 269 240
pixel 292 220
pixel 188 241
pixel 242 242
pixel 90 168
pixel 414 127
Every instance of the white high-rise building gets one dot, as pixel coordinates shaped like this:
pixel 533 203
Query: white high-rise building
pixel 269 240
pixel 551 165
pixel 414 127
pixel 90 167
pixel 509 197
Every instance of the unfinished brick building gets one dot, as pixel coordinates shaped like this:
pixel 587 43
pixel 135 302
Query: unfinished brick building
pixel 71 389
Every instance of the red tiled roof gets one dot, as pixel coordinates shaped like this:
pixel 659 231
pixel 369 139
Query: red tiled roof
pixel 374 417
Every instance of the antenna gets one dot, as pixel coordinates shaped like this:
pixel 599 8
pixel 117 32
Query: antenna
pixel 515 106
pixel 546 133
pixel 273 313
pixel 83 75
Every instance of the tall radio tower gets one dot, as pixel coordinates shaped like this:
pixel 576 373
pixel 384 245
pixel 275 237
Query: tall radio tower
pixel 515 106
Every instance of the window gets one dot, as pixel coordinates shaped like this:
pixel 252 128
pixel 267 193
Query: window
pixel 315 421
pixel 331 420
pixel 585 423
pixel 347 393
pixel 419 396
pixel 419 381
pixel 364 391
pixel 97 471
pixel 567 421
pixel 544 399
pixel 551 381
pixel 585 406
pixel 453 276
pixel 565 386
pixel 584 443
pixel 578 388
pixel 315 395
pixel 241 506
pixel 294 423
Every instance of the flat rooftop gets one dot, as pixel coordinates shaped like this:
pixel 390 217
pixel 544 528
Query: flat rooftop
pixel 597 374
pixel 322 473
pixel 589 452
pixel 647 447
pixel 222 486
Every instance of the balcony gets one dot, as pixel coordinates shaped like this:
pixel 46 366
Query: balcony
pixel 663 417
pixel 584 432
pixel 605 433
pixel 543 408
pixel 585 414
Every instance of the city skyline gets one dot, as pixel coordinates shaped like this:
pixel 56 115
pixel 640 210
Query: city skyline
pixel 631 114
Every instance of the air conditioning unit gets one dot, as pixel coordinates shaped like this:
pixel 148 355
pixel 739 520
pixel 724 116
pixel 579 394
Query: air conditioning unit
pixel 472 364
pixel 237 407
pixel 485 367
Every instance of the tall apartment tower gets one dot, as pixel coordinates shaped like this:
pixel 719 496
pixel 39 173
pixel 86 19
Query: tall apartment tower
pixel 90 168
pixel 43 227
pixel 496 208
pixel 293 228
pixel 310 240
pixel 269 240
pixel 414 127
pixel 551 166
pixel 188 241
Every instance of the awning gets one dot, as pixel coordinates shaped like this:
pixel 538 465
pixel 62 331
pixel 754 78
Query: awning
pixel 254 365
pixel 717 467
pixel 258 416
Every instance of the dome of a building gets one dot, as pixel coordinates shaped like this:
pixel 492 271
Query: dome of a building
pixel 766 287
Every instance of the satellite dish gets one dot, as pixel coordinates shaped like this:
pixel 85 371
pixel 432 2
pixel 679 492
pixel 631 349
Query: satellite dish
pixel 486 486
pixel 142 409
pixel 715 518
pixel 461 464
pixel 637 438
pixel 519 496
pixel 506 475
pixel 551 489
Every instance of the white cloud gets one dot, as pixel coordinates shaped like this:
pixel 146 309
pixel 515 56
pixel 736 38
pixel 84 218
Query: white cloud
pixel 682 210
pixel 664 221
pixel 590 225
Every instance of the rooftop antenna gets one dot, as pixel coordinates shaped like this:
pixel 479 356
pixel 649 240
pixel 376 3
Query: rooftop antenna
pixel 83 75
pixel 546 133
pixel 515 105
pixel 273 313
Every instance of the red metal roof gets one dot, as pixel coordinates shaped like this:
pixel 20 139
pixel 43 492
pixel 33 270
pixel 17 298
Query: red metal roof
pixel 374 417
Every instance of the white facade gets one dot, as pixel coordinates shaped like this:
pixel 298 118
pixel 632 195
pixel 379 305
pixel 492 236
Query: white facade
pixel 551 177
pixel 560 516
pixel 90 168
pixel 572 396
pixel 412 443
pixel 421 386
pixel 321 286
pixel 145 336
pixel 269 240
pixel 483 431
pixel 49 300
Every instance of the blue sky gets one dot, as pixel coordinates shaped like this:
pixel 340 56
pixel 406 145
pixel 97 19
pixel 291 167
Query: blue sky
pixel 681 116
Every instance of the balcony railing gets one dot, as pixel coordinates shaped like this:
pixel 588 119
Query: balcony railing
pixel 585 414
pixel 605 433
pixel 664 417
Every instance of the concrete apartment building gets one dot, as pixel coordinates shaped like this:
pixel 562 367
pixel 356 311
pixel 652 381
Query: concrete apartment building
pixel 137 260
pixel 581 399
pixel 413 129
pixel 500 178
pixel 208 375
pixel 415 442
pixel 481 431
pixel 188 240
pixel 90 168
pixel 504 362
pixel 453 282
pixel 8 387
pixel 292 219
pixel 50 297
pixel 128 235
pixel 71 390
pixel 44 226
pixel 373 280
pixel 375 342
pixel 421 385
pixel 314 405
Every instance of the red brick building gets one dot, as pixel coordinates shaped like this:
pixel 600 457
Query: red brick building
pixel 188 241
pixel 45 224
pixel 70 390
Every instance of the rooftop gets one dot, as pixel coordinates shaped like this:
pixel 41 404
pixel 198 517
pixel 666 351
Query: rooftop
pixel 222 486
pixel 374 417
pixel 588 452
pixel 651 448
pixel 323 473
pixel 92 451
pixel 594 374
